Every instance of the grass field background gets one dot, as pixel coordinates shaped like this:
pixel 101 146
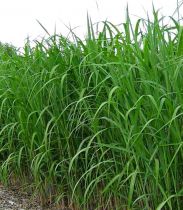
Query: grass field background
pixel 96 124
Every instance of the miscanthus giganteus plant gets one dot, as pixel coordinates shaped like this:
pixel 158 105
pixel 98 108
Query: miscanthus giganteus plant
pixel 97 124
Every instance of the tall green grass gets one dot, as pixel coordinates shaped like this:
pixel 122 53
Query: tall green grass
pixel 96 124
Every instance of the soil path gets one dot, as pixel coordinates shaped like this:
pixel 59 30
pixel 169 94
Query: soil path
pixel 12 199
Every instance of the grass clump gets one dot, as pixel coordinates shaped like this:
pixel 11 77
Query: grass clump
pixel 97 124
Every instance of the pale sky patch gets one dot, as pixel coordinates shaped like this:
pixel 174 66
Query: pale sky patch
pixel 18 17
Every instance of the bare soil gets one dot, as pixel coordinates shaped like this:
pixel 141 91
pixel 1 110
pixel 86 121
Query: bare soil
pixel 13 199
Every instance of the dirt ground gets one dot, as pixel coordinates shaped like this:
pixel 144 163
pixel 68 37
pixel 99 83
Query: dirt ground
pixel 13 199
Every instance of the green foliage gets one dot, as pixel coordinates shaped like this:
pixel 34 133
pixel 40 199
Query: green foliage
pixel 97 124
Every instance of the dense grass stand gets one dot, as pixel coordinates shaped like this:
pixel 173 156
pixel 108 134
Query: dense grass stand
pixel 96 124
